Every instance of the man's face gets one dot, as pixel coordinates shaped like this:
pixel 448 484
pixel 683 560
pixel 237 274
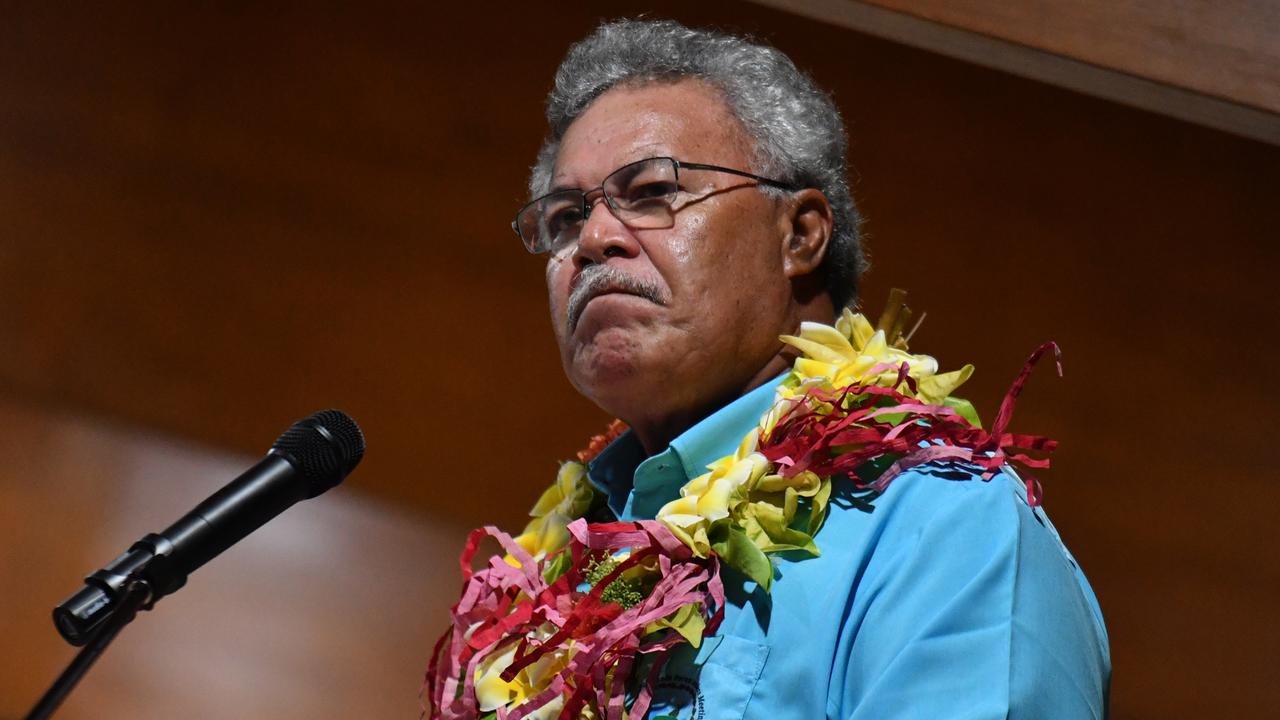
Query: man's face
pixel 686 315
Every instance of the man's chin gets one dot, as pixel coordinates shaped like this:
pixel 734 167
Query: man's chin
pixel 611 361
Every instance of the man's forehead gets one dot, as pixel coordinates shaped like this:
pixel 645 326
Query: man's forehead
pixel 580 175
pixel 688 120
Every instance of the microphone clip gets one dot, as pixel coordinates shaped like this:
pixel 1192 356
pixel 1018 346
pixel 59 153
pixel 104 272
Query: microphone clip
pixel 148 562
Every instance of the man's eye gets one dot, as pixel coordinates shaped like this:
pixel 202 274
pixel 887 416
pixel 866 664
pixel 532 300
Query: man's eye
pixel 563 226
pixel 651 191
pixel 563 219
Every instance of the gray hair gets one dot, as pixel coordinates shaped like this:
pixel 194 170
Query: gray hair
pixel 799 136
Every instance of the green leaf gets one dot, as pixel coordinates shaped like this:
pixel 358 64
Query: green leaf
pixel 965 408
pixel 766 528
pixel 738 552
pixel 558 565
pixel 892 418
pixel 818 509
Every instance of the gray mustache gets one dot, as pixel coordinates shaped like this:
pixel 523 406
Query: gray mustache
pixel 596 279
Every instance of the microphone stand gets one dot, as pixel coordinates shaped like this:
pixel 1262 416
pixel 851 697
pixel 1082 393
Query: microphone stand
pixel 136 594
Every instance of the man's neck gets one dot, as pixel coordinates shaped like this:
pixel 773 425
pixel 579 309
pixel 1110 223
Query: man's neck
pixel 656 433
pixel 654 437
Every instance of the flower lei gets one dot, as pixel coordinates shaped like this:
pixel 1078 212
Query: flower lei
pixel 577 618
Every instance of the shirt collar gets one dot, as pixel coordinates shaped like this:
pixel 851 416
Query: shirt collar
pixel 636 486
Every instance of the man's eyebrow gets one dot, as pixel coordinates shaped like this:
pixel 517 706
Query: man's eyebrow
pixel 557 187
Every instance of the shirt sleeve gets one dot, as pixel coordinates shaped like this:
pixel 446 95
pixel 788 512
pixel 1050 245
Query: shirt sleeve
pixel 971 607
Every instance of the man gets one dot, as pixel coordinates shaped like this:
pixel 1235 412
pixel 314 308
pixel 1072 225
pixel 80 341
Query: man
pixel 692 202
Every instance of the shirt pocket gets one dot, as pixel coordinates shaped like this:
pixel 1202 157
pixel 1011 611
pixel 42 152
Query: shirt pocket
pixel 716 682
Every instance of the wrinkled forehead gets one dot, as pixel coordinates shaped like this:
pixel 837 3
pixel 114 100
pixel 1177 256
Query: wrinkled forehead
pixel 687 119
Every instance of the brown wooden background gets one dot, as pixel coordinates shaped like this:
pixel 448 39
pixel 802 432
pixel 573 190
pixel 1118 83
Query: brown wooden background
pixel 215 221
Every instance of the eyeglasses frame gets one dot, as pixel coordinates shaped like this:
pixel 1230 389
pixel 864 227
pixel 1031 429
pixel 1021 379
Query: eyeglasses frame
pixel 678 164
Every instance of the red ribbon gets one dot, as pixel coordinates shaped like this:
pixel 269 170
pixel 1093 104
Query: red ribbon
pixel 867 422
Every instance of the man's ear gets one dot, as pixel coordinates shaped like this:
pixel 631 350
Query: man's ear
pixel 808 220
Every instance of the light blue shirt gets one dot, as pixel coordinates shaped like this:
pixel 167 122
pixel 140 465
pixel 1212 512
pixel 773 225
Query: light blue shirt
pixel 946 597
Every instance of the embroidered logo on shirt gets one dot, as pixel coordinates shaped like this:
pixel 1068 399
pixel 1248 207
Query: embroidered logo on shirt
pixel 676 694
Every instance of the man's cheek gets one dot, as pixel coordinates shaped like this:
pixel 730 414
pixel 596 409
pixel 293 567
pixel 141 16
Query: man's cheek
pixel 557 293
pixel 558 275
pixel 558 319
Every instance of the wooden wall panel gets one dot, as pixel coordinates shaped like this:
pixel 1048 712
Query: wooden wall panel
pixel 1212 64
pixel 1229 50
pixel 219 220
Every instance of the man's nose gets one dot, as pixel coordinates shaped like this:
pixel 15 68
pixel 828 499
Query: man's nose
pixel 603 235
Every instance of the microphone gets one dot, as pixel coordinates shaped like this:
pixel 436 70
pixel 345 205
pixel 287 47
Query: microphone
pixel 313 455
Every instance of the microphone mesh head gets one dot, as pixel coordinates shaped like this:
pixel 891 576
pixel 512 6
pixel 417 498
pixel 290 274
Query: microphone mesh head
pixel 324 447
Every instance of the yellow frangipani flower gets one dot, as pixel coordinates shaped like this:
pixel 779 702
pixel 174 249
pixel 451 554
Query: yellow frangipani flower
pixel 714 495
pixel 562 503
pixel 739 488
pixel 492 692
pixel 850 353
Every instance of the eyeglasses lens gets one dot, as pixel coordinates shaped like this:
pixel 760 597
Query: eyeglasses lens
pixel 639 194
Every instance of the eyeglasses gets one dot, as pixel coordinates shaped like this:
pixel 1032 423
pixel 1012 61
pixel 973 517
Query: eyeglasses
pixel 639 194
